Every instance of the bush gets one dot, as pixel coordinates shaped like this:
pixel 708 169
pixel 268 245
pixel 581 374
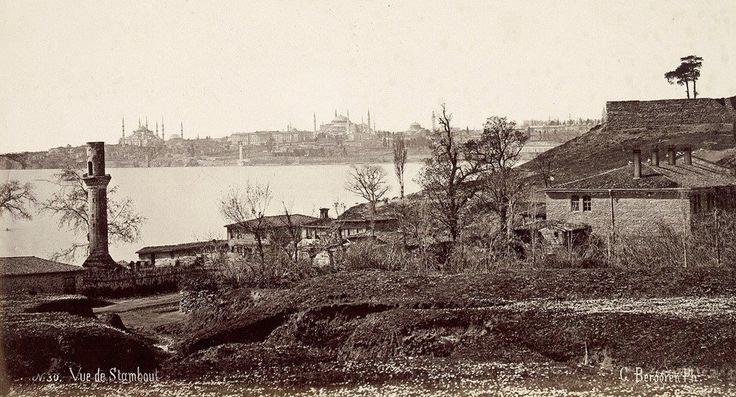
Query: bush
pixel 371 254
pixel 709 243
pixel 278 270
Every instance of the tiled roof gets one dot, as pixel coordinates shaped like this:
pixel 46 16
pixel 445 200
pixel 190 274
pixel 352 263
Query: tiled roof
pixel 665 176
pixel 181 247
pixel 18 265
pixel 275 221
pixel 321 222
pixel 361 212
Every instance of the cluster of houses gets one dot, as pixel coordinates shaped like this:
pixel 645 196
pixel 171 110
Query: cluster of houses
pixel 670 187
pixel 313 238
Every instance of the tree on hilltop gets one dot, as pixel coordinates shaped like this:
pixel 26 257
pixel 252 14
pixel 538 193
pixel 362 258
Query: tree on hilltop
pixel 688 71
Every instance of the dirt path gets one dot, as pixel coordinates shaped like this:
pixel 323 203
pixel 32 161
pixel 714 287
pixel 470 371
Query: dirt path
pixel 147 313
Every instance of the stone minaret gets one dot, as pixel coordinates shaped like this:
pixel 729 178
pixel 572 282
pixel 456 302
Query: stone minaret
pixel 182 130
pixel 314 116
pixel 163 131
pixel 369 121
pixel 96 182
pixel 122 142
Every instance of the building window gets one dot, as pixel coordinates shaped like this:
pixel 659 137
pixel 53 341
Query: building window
pixel 574 203
pixel 587 204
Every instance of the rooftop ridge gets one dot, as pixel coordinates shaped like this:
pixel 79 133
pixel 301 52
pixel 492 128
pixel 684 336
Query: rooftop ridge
pixel 593 176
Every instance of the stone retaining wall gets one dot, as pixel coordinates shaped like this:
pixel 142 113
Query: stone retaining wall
pixel 717 114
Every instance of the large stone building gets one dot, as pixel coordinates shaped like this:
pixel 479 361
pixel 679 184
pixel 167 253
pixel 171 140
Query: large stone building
pixel 638 198
pixel 29 274
pixel 262 138
pixel 142 136
pixel 341 127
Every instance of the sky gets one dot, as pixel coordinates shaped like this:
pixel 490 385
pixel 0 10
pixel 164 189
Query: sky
pixel 71 70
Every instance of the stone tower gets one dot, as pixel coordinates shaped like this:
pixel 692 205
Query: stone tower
pixel 96 182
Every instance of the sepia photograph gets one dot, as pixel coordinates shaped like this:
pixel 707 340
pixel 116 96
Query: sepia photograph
pixel 367 198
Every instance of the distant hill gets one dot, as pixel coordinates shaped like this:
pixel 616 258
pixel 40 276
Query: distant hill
pixel 706 125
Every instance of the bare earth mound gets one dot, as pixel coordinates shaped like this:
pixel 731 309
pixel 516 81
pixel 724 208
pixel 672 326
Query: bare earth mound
pixel 657 320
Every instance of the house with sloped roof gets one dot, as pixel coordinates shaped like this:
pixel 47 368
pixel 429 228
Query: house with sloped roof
pixel 180 254
pixel 358 219
pixel 275 229
pixel 31 275
pixel 642 196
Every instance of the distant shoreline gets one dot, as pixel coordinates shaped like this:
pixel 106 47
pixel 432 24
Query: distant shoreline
pixel 215 164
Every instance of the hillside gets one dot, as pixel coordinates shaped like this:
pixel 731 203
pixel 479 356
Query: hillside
pixel 707 125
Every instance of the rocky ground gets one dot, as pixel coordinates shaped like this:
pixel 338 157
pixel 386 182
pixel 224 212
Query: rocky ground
pixel 537 332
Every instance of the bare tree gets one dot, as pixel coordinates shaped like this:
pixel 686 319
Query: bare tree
pixel 70 204
pixel 499 149
pixel 400 155
pixel 368 182
pixel 543 167
pixel 247 207
pixel 15 198
pixel 339 207
pixel 292 234
pixel 449 176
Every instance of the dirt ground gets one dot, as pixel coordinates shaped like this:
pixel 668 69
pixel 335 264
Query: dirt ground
pixel 146 313
pixel 375 333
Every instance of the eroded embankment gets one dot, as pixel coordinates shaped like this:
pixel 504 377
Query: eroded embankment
pixel 56 334
pixel 647 319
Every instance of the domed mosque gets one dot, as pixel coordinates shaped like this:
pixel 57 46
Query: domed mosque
pixel 143 136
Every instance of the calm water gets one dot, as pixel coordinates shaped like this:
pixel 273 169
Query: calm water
pixel 180 204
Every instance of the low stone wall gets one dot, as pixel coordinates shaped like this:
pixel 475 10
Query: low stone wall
pixel 129 282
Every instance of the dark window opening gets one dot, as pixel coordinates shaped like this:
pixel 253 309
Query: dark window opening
pixel 587 204
pixel 89 168
pixel 575 203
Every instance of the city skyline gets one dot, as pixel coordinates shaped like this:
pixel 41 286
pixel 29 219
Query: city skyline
pixel 225 68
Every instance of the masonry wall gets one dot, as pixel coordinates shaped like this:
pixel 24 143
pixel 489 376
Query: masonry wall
pixel 634 213
pixel 706 113
pixel 126 282
pixel 51 283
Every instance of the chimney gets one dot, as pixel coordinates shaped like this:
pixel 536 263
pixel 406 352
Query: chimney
pixel 655 157
pixel 671 155
pixel 323 213
pixel 688 155
pixel 637 163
